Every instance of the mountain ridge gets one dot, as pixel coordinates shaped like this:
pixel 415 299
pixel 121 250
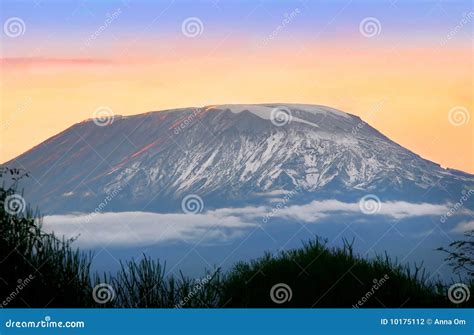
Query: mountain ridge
pixel 228 154
pixel 172 110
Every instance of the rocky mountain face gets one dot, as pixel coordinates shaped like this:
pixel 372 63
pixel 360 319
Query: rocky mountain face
pixel 229 155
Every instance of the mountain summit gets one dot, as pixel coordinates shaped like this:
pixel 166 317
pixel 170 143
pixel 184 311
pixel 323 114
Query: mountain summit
pixel 229 155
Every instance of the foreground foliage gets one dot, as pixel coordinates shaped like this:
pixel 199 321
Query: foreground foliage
pixel 36 269
pixel 331 277
pixel 39 270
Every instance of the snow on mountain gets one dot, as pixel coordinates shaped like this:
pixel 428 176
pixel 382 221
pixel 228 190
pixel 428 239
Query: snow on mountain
pixel 229 155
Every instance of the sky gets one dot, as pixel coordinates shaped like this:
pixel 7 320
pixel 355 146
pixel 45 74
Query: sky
pixel 405 67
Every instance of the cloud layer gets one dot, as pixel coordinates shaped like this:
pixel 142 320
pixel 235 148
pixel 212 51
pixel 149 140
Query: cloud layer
pixel 136 228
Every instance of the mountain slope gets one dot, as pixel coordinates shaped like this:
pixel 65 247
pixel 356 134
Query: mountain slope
pixel 229 155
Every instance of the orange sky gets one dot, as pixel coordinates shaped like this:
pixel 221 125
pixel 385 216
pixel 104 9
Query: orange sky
pixel 406 93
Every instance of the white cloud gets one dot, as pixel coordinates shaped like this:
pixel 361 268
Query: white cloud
pixel 394 209
pixel 273 193
pixel 464 226
pixel 133 228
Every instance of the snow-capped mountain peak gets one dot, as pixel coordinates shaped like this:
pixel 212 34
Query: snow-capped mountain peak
pixel 229 155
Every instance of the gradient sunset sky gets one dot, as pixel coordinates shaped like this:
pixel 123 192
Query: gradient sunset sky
pixel 405 67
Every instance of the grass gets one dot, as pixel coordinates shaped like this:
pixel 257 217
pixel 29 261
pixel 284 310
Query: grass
pixel 330 277
pixel 39 270
pixel 143 284
pixel 318 276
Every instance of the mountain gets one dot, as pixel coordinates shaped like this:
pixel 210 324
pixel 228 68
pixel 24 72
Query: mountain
pixel 229 155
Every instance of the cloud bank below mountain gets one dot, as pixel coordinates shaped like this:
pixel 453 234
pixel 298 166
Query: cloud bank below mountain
pixel 221 225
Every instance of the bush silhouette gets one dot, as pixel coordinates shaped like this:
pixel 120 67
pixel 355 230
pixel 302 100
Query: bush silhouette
pixel 319 276
pixel 37 269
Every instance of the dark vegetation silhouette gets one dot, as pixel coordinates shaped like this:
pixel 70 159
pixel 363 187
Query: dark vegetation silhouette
pixel 461 254
pixel 38 269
